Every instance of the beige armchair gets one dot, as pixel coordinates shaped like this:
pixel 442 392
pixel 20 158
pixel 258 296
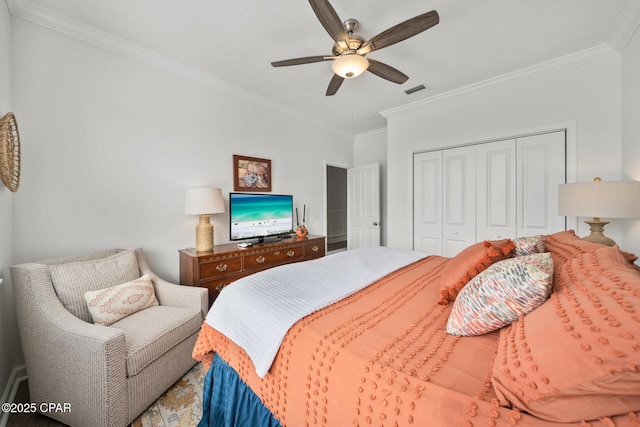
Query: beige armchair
pixel 107 374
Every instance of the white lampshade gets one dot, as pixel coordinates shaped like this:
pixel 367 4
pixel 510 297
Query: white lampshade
pixel 350 65
pixel 203 201
pixel 598 199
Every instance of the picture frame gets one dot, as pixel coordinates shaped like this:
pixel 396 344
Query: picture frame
pixel 251 174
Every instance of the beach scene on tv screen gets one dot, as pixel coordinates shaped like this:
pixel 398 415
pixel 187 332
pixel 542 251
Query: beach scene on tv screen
pixel 260 215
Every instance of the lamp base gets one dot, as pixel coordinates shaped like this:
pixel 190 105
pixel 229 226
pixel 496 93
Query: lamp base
pixel 204 235
pixel 597 233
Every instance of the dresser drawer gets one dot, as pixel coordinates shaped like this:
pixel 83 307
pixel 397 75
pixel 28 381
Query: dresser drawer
pixel 274 257
pixel 314 250
pixel 216 285
pixel 214 267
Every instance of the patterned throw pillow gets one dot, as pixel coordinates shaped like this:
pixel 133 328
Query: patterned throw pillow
pixel 499 295
pixel 109 305
pixel 530 245
pixel 469 263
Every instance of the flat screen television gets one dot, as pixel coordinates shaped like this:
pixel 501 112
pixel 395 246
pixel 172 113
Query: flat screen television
pixel 256 216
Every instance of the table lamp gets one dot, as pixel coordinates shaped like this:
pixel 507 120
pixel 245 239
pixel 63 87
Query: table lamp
pixel 204 201
pixel 598 199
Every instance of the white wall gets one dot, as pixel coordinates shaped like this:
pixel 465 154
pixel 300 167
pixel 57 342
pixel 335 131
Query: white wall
pixel 589 94
pixel 371 147
pixel 10 353
pixel 112 144
pixel 631 132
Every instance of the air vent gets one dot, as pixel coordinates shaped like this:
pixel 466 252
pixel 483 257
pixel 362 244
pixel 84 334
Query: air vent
pixel 415 89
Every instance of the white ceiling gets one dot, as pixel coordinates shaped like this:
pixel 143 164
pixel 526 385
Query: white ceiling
pixel 234 41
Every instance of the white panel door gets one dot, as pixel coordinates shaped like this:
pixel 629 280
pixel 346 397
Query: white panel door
pixel 540 169
pixel 496 190
pixel 458 200
pixel 427 202
pixel 363 206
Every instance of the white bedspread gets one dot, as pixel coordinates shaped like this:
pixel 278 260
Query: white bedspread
pixel 256 311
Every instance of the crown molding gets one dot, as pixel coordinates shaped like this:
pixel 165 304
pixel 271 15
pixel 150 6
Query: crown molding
pixel 47 18
pixel 371 133
pixel 628 23
pixel 572 60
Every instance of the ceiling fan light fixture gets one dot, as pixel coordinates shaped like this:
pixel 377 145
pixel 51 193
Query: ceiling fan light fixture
pixel 350 65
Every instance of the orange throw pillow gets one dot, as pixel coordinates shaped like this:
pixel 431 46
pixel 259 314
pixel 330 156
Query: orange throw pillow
pixel 469 263
pixel 577 356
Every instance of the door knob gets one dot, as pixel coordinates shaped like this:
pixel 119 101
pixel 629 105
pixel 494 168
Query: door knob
pixel 375 223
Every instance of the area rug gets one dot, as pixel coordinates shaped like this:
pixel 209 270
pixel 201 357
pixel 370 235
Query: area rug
pixel 180 406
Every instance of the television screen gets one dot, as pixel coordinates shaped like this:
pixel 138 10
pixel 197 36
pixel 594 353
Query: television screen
pixel 260 215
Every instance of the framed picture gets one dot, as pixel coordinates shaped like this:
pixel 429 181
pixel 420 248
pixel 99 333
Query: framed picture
pixel 251 174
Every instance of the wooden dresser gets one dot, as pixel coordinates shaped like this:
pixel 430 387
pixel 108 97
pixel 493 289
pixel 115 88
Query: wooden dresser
pixel 226 263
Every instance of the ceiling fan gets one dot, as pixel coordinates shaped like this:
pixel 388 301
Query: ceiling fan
pixel 349 50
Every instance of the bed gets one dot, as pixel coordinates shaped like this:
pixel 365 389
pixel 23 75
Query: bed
pixel 383 353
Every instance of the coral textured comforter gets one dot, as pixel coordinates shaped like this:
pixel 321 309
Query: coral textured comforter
pixel 382 357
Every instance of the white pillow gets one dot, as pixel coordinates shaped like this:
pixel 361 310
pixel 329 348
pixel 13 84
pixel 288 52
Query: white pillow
pixel 109 305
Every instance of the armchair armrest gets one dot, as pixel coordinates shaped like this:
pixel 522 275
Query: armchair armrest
pixel 174 295
pixel 181 296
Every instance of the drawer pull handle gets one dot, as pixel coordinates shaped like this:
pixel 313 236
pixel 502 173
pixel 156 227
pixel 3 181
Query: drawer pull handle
pixel 291 253
pixel 261 259
pixel 276 253
pixel 221 286
pixel 221 267
pixel 315 248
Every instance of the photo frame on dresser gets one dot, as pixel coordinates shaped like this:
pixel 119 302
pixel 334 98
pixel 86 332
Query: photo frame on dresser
pixel 251 173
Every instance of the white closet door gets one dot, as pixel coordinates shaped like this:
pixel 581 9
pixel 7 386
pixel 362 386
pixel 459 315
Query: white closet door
pixel 496 190
pixel 459 208
pixel 427 202
pixel 540 169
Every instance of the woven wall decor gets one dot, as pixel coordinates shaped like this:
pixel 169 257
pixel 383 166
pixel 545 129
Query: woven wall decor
pixel 9 152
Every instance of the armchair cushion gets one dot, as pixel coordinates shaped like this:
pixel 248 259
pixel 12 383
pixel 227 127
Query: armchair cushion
pixel 109 305
pixel 72 280
pixel 145 344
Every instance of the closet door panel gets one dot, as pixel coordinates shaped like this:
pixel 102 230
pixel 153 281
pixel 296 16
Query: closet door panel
pixel 540 169
pixel 459 210
pixel 496 190
pixel 427 203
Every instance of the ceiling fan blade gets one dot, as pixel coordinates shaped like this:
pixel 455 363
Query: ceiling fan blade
pixel 299 61
pixel 334 84
pixel 400 32
pixel 387 72
pixel 330 20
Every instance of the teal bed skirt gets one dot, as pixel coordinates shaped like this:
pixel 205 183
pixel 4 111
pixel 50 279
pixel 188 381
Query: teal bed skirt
pixel 228 402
